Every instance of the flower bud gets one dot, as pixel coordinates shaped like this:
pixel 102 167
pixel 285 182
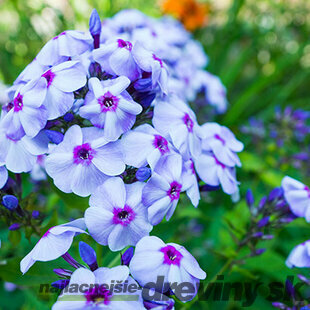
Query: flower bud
pixel 290 288
pixel 276 193
pixel 127 256
pixel 304 279
pixel 143 174
pixel 54 136
pixel 70 260
pixel 258 234
pixel 35 214
pixel 249 198
pixel 262 203
pixel 94 23
pixel 61 284
pixel 14 226
pixel 281 204
pixel 263 222
pixel 268 237
pixel 259 252
pixel 69 117
pixel 279 305
pixel 63 272
pixel 95 69
pixel 209 188
pixel 10 202
pixel 95 27
pixel 88 255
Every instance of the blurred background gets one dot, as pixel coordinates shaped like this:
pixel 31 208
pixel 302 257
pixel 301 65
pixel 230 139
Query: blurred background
pixel 261 52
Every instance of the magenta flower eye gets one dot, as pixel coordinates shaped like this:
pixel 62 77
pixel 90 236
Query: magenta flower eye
pixel 108 102
pixel 171 255
pixel 123 216
pixel 161 143
pixel 174 191
pixel 18 103
pixel 124 44
pixel 83 154
pixel 49 76
pixel 98 295
pixel 188 122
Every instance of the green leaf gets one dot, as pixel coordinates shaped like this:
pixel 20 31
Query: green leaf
pixel 244 272
pixel 71 200
pixel 251 162
pixel 39 273
pixel 15 237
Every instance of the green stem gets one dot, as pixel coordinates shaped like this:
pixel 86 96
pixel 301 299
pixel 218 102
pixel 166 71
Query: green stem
pixel 99 249
pixel 115 261
pixel 223 269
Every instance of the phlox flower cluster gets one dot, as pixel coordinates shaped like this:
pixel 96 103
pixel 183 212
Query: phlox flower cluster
pixel 107 114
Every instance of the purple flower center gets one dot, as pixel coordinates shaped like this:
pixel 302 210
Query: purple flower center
pixel 161 143
pixel 171 255
pixel 307 189
pixel 108 102
pixel 159 60
pixel 218 137
pixel 49 76
pixel 123 216
pixel 83 154
pixel 18 103
pixel 124 44
pixel 98 295
pixel 188 122
pixel 174 191
pixel 218 162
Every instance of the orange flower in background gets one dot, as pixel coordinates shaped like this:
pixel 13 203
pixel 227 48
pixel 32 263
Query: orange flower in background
pixel 191 13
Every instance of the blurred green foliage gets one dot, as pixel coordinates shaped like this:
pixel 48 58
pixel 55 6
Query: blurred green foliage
pixel 261 51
